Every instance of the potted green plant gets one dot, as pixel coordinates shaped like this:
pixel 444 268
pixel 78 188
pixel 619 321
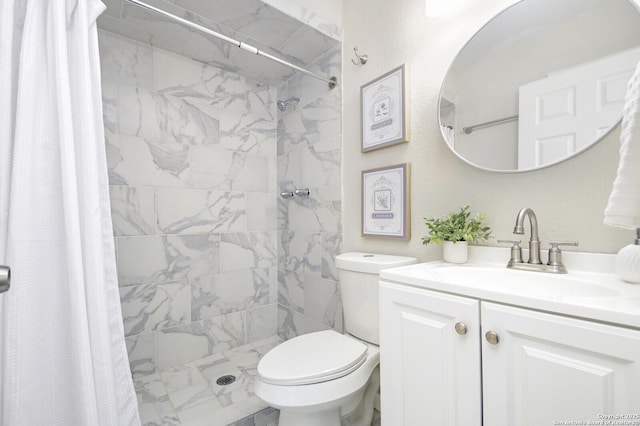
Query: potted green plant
pixel 455 231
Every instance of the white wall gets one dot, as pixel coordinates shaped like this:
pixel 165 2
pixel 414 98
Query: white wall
pixel 569 198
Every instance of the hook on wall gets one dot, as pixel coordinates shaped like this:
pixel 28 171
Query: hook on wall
pixel 361 59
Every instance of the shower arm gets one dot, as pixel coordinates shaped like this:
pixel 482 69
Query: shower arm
pixel 332 82
pixel 282 105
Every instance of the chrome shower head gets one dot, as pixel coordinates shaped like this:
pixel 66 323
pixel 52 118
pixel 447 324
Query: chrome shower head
pixel 282 105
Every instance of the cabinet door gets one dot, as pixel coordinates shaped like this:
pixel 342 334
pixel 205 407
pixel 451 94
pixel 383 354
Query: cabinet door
pixel 430 374
pixel 547 368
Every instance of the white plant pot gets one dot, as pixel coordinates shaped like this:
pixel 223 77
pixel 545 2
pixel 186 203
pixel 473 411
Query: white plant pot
pixel 457 252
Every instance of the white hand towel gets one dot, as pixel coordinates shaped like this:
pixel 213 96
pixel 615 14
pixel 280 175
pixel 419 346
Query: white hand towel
pixel 623 209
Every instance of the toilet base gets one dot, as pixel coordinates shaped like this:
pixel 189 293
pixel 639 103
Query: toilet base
pixel 355 410
pixel 316 418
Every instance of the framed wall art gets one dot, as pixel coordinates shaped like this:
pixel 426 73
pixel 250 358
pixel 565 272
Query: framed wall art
pixel 385 202
pixel 384 110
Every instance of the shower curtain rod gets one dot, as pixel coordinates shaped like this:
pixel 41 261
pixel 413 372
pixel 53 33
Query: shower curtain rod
pixel 333 81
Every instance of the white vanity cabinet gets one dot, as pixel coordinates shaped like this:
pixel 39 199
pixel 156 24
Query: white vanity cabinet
pixel 548 367
pixel 543 368
pixel 430 373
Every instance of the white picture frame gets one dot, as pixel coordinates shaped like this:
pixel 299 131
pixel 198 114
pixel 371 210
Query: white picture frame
pixel 384 112
pixel 385 202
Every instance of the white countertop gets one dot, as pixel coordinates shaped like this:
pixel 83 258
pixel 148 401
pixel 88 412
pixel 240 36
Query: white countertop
pixel 590 290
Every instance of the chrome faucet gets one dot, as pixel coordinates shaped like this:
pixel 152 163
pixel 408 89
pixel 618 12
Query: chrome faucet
pixel 554 265
pixel 534 241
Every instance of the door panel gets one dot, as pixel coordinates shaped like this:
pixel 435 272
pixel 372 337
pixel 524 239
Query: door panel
pixel 571 108
pixel 548 368
pixel 430 373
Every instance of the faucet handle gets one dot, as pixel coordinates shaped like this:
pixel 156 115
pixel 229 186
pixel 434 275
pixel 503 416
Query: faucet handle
pixel 555 255
pixel 514 242
pixel 287 194
pixel 516 251
pixel 555 244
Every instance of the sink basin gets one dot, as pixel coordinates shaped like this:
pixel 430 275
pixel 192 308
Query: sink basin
pixel 525 283
pixel 590 290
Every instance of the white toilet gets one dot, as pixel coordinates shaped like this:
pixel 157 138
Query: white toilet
pixel 319 378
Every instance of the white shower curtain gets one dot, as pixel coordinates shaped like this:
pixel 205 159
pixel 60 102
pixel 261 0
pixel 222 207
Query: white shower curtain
pixel 62 352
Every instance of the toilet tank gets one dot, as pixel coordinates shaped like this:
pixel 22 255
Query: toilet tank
pixel 358 274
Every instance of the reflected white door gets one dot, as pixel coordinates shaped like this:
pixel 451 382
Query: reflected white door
pixel 566 111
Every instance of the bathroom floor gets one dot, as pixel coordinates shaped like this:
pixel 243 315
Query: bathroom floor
pixel 188 395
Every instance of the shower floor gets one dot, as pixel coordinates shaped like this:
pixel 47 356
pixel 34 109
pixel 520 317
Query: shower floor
pixel 188 395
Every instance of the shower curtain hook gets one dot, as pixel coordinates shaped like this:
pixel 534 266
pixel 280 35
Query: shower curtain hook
pixel 362 59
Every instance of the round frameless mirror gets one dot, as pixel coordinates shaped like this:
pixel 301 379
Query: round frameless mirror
pixel 540 83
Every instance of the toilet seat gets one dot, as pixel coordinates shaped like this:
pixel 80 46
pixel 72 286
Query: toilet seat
pixel 312 358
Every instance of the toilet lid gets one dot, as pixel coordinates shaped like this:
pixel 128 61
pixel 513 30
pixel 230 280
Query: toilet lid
pixel 312 358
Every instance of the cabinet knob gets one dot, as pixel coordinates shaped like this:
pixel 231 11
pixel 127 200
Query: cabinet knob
pixel 492 337
pixel 461 328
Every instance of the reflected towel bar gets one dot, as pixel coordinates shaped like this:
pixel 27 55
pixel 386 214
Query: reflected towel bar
pixel 470 129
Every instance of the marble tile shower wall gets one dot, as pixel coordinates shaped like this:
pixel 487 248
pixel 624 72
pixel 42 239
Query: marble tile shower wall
pixel 309 156
pixel 192 156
